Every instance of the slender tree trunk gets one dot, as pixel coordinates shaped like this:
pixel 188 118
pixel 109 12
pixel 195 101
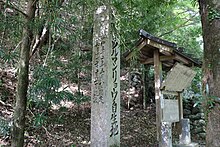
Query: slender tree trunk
pixel 22 85
pixel 210 13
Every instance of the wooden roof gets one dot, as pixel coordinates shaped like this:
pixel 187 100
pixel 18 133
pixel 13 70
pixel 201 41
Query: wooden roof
pixel 169 52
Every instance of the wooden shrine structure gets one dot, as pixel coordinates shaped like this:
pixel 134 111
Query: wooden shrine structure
pixel 165 55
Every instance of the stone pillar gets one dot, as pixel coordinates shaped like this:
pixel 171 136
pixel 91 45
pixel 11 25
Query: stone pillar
pixel 166 134
pixel 105 102
pixel 185 137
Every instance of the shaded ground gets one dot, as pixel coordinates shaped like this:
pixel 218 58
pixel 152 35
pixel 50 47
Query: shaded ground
pixel 73 128
pixel 69 128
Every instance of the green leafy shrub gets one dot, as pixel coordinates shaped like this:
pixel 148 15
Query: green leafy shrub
pixel 80 98
pixel 7 57
pixel 46 89
pixel 4 127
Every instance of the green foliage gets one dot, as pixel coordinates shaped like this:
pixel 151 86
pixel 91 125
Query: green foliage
pixel 194 92
pixel 7 56
pixel 45 89
pixel 134 15
pixel 39 120
pixel 80 98
pixel 213 14
pixel 4 128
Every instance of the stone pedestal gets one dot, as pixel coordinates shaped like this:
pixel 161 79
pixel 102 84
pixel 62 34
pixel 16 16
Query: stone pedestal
pixel 185 137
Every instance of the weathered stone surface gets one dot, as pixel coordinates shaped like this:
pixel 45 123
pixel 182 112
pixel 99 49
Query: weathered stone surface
pixel 105 102
pixel 196 110
pixel 199 123
pixel 187 145
pixel 198 130
pixel 186 112
pixel 185 137
pixel 202 135
pixel 197 119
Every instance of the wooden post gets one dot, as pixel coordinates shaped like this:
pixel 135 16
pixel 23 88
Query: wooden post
pixel 158 94
pixel 144 79
pixel 180 103
pixel 105 101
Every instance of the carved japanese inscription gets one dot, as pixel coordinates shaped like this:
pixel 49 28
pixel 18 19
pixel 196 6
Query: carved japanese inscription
pixel 115 92
pixel 105 97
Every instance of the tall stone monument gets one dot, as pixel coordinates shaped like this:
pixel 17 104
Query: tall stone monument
pixel 105 102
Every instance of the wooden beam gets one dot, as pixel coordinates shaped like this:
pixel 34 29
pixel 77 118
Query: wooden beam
pixel 162 58
pixel 148 61
pixel 160 46
pixel 158 95
pixel 165 58
pixel 139 47
pixel 182 59
pixel 141 55
pixel 129 55
pixel 170 92
pixel 169 65
pixel 142 44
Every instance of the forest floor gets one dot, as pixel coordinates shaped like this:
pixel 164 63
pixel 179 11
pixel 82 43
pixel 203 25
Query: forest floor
pixel 71 127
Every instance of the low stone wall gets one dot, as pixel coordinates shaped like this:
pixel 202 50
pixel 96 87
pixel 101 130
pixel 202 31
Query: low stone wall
pixel 197 119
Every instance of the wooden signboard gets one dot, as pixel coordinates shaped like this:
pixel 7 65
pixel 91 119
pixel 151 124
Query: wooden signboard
pixel 170 111
pixel 179 78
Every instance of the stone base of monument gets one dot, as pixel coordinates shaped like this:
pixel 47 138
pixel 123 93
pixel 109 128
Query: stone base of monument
pixel 185 137
pixel 192 144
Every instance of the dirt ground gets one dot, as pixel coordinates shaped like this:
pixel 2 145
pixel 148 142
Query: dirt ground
pixel 72 128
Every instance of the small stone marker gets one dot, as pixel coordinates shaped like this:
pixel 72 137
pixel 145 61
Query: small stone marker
pixel 105 102
pixel 185 137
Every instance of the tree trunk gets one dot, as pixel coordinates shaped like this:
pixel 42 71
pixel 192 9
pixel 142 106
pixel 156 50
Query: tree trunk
pixel 22 85
pixel 210 14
